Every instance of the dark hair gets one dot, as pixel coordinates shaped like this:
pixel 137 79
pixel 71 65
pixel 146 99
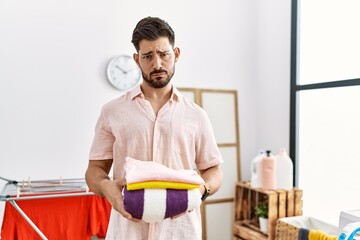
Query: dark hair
pixel 151 28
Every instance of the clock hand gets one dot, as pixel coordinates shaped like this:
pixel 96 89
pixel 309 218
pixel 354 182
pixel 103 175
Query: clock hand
pixel 133 69
pixel 121 69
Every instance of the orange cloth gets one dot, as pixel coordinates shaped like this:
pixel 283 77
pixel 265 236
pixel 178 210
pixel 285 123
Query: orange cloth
pixel 62 218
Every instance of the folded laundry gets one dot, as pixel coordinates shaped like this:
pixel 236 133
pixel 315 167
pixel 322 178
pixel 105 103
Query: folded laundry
pixel 303 234
pixel 135 170
pixel 161 185
pixel 154 205
pixel 320 235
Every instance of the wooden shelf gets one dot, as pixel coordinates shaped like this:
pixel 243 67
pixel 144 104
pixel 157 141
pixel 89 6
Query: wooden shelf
pixel 242 230
pixel 281 203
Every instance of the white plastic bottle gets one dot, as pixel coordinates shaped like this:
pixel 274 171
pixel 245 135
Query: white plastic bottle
pixel 255 181
pixel 284 170
pixel 268 171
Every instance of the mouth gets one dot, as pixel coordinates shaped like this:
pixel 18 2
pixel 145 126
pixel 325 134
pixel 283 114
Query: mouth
pixel 158 73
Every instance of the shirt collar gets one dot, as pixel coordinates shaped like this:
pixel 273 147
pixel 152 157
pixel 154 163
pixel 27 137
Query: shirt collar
pixel 135 92
pixel 176 95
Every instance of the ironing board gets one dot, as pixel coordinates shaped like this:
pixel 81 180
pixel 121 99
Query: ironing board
pixel 14 191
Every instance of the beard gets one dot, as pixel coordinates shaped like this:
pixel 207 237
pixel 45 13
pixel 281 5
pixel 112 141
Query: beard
pixel 158 82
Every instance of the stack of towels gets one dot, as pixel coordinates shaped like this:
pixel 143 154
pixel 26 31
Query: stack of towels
pixel 155 192
pixel 305 234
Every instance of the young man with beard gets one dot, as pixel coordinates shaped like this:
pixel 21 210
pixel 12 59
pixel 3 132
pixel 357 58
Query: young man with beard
pixel 152 122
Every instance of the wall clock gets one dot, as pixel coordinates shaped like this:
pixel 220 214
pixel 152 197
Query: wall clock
pixel 123 73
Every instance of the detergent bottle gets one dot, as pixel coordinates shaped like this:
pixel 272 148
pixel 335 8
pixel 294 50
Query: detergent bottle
pixel 284 170
pixel 268 171
pixel 255 181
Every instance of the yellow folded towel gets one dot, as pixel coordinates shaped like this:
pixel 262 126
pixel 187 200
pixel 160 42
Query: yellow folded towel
pixel 320 235
pixel 161 185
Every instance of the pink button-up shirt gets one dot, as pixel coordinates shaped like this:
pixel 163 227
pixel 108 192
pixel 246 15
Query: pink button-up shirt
pixel 180 136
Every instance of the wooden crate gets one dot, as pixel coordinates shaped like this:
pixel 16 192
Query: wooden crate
pixel 281 203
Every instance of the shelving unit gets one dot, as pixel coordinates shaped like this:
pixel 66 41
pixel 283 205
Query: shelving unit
pixel 222 108
pixel 281 203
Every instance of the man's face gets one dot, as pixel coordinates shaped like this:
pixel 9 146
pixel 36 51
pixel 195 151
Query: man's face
pixel 156 60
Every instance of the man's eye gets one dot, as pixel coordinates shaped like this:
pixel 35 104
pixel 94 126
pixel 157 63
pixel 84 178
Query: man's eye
pixel 147 57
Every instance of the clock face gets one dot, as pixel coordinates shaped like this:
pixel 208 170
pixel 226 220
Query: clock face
pixel 123 73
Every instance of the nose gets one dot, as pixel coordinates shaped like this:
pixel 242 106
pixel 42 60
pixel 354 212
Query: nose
pixel 157 63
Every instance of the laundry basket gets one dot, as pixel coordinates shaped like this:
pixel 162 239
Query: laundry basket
pixel 289 228
pixel 286 231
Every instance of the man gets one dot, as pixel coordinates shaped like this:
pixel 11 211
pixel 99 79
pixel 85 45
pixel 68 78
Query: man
pixel 153 122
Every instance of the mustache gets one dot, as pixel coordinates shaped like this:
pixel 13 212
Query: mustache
pixel 158 71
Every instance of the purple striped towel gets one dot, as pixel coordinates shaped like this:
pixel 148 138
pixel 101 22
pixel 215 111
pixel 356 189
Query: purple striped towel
pixel 154 205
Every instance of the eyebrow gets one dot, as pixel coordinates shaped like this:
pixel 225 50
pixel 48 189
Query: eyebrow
pixel 150 52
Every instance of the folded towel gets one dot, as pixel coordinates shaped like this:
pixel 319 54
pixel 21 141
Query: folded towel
pixel 161 185
pixel 143 171
pixel 320 235
pixel 154 205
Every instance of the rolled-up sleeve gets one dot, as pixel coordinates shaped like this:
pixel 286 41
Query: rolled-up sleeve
pixel 207 151
pixel 102 146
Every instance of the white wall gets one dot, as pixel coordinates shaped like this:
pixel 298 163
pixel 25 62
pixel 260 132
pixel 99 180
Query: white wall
pixel 273 74
pixel 53 56
pixel 264 84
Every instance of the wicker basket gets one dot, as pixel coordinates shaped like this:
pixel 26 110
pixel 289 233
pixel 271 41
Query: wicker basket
pixel 286 231
pixel 290 228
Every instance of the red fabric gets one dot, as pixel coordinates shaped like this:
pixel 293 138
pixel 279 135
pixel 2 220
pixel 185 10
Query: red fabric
pixel 58 218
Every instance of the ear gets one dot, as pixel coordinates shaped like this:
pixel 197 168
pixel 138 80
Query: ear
pixel 136 58
pixel 177 53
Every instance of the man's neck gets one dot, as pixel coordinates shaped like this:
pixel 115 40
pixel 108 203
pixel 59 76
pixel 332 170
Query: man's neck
pixel 156 94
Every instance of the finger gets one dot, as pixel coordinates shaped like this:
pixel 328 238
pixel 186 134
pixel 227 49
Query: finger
pixel 135 220
pixel 128 216
pixel 124 213
pixel 179 215
pixel 120 182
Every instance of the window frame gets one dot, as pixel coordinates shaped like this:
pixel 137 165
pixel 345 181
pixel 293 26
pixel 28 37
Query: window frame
pixel 296 88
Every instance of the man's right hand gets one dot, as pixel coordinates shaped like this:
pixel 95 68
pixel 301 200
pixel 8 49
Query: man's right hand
pixel 112 190
pixel 98 181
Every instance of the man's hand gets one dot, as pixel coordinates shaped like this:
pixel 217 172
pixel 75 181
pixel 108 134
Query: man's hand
pixel 98 180
pixel 112 191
